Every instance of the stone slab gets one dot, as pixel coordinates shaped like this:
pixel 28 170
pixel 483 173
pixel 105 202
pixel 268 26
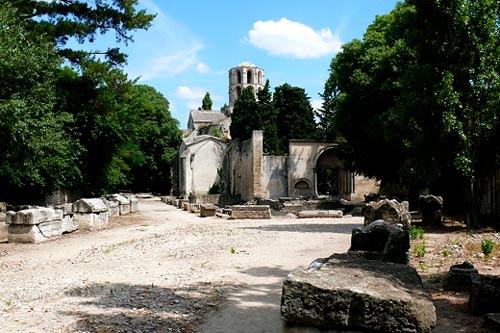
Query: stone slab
pixel 241 215
pixel 34 216
pixel 68 224
pixel 250 208
pixel 304 214
pixel 349 292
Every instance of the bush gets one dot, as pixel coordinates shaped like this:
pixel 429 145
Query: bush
pixel 487 246
pixel 416 232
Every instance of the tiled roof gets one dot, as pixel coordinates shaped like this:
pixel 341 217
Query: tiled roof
pixel 212 117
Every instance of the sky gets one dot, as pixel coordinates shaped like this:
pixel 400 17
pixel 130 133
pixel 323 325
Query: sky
pixel 191 45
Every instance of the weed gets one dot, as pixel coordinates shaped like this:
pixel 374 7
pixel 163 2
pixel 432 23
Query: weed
pixel 416 232
pixel 487 246
pixel 420 250
pixel 422 265
pixel 232 250
pixel 446 252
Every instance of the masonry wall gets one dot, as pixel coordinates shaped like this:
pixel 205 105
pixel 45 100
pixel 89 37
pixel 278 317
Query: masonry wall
pixel 274 176
pixel 241 173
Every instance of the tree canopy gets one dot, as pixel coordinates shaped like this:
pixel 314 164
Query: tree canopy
pixel 417 99
pixel 206 103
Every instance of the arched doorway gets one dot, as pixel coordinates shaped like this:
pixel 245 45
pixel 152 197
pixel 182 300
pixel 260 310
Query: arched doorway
pixel 328 168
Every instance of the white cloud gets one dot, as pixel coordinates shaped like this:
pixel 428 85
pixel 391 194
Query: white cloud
pixel 294 39
pixel 202 68
pixel 190 92
pixel 317 104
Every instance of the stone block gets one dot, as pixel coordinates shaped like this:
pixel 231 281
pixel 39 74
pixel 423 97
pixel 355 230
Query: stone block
pixel 305 214
pixel 123 202
pixel 207 210
pixel 485 293
pixel 250 212
pixel 382 241
pixel 185 206
pixel 347 292
pixel 194 208
pixel 3 207
pixel 34 233
pixel 459 277
pixel 94 205
pixel 34 216
pixel 66 208
pixel 93 221
pixel 134 204
pixel 4 234
pixel 113 207
pixel 180 203
pixel 431 207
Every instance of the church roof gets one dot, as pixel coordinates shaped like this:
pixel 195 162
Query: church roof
pixel 202 116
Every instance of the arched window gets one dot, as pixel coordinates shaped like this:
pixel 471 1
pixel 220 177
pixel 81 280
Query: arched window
pixel 260 77
pixel 249 77
pixel 238 74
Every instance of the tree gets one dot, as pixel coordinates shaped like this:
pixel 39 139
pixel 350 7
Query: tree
pixel 245 117
pixel 268 116
pixel 157 137
pixel 422 88
pixel 62 21
pixel 295 115
pixel 36 155
pixel 206 104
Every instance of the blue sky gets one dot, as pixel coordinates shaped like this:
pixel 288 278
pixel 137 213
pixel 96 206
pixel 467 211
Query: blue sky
pixel 192 44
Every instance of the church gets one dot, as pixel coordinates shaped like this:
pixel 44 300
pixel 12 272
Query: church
pixel 210 162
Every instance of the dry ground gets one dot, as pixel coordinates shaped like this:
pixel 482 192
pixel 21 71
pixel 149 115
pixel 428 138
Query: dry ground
pixel 166 270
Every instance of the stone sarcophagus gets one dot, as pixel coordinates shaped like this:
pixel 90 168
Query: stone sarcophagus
pixel 34 225
pixel 90 213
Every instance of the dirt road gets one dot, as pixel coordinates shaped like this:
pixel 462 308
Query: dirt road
pixel 162 270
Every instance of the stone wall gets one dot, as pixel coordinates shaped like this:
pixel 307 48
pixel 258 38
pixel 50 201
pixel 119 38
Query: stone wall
pixel 241 174
pixel 274 176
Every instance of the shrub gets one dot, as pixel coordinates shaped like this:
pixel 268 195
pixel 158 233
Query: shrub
pixel 416 232
pixel 487 246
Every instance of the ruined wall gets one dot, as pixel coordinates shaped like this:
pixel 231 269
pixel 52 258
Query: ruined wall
pixel 241 173
pixel 274 176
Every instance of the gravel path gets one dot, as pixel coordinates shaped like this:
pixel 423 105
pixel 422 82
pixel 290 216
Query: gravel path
pixel 162 270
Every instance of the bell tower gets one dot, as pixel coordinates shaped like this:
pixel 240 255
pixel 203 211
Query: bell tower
pixel 242 76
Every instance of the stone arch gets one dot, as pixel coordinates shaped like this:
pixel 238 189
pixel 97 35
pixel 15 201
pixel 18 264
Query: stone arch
pixel 249 77
pixel 302 187
pixel 238 77
pixel 328 173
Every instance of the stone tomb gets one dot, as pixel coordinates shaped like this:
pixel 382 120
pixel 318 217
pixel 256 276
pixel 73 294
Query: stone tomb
pixel 113 207
pixel 90 213
pixel 123 202
pixel 134 202
pixel 4 234
pixel 34 225
pixel 250 212
pixel 68 223
pixel 207 210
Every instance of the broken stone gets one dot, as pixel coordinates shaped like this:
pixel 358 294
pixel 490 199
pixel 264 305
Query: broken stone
pixel 94 221
pixel 382 241
pixel 391 211
pixel 304 214
pixel 431 206
pixel 94 205
pixel 349 292
pixel 194 208
pixel 133 201
pixel 460 277
pixel 113 207
pixel 34 216
pixel 181 202
pixel 485 293
pixel 68 224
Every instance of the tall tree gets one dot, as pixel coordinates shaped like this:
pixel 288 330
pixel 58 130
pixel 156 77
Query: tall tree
pixel 267 114
pixel 206 103
pixel 422 88
pixel 295 115
pixel 82 20
pixel 36 155
pixel 245 117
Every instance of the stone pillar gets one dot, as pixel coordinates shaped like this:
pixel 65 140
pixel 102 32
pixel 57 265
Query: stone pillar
pixel 257 153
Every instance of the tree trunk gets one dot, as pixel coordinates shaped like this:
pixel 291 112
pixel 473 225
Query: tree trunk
pixel 472 203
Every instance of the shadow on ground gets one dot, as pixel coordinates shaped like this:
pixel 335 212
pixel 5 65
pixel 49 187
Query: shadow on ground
pixel 306 227
pixel 143 308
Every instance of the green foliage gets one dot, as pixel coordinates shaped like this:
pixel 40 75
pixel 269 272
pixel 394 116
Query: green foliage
pixel 487 246
pixel 416 232
pixel 420 250
pixel 245 117
pixel 232 250
pixel 423 88
pixel 268 116
pixel 295 114
pixel 36 155
pixel 206 104
pixel 80 20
